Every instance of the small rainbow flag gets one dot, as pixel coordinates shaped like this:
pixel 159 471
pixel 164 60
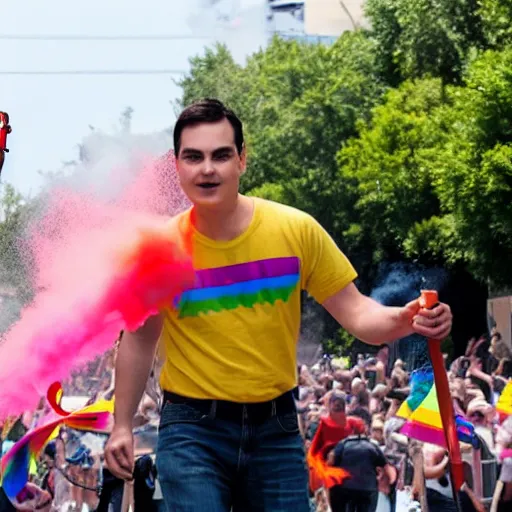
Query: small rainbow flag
pixel 16 463
pixel 421 410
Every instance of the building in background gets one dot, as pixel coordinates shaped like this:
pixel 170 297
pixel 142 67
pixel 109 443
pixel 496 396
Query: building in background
pixel 499 316
pixel 313 20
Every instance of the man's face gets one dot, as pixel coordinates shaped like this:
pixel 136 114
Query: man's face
pixel 209 166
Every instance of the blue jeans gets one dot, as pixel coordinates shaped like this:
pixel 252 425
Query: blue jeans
pixel 208 464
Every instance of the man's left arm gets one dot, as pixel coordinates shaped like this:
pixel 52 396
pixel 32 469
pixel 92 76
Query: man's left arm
pixel 374 323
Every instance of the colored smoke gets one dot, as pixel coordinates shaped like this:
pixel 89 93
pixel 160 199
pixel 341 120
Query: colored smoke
pixel 78 243
pixel 398 284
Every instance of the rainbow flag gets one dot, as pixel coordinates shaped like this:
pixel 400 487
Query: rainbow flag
pixel 16 463
pixel 244 284
pixel 421 410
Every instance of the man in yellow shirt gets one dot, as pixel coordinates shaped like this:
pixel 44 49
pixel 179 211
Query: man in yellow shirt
pixel 229 437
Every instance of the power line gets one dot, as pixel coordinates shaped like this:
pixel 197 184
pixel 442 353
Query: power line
pixel 96 72
pixel 99 37
pixel 348 13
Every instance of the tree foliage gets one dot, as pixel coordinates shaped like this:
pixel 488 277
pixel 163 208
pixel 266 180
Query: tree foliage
pixel 431 173
pixel 419 38
pixel 473 165
pixel 15 289
pixel 496 16
pixel 392 190
pixel 12 207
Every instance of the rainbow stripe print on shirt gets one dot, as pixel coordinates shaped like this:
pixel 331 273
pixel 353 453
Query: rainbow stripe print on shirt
pixel 242 285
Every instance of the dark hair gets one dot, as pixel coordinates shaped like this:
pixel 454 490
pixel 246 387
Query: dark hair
pixel 386 404
pixel 207 111
pixel 482 351
pixel 50 450
pixel 338 396
pixel 361 412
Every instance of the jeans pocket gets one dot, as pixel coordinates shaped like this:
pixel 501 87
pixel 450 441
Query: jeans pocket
pixel 179 413
pixel 288 423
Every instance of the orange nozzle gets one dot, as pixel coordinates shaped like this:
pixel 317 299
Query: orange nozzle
pixel 429 298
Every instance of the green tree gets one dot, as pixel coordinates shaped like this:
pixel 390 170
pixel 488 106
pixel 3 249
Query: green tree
pixel 431 174
pixel 418 172
pixel 418 38
pixel 213 75
pixel 12 206
pixel 300 148
pixel 496 17
pixel 473 167
pixel 261 92
pixel 14 287
pixel 383 170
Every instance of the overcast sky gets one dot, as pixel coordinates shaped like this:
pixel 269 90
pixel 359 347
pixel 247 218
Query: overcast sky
pixel 50 114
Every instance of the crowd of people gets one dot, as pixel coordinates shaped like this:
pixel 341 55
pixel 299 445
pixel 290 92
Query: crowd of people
pixel 347 417
pixel 70 475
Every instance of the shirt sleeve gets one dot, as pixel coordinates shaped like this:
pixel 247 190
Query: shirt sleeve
pixel 325 269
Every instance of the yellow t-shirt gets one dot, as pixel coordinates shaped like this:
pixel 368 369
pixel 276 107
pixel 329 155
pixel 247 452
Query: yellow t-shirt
pixel 233 336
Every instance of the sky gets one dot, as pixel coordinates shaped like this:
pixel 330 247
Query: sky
pixel 51 114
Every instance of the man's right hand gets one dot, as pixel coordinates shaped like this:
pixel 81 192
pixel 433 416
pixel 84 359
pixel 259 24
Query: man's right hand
pixel 119 453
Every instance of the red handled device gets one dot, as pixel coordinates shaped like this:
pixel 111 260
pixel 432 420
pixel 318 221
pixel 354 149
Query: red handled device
pixel 429 299
pixel 5 129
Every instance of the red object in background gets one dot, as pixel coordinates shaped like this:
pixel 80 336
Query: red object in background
pixel 329 433
pixel 429 299
pixel 5 129
pixel 327 437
